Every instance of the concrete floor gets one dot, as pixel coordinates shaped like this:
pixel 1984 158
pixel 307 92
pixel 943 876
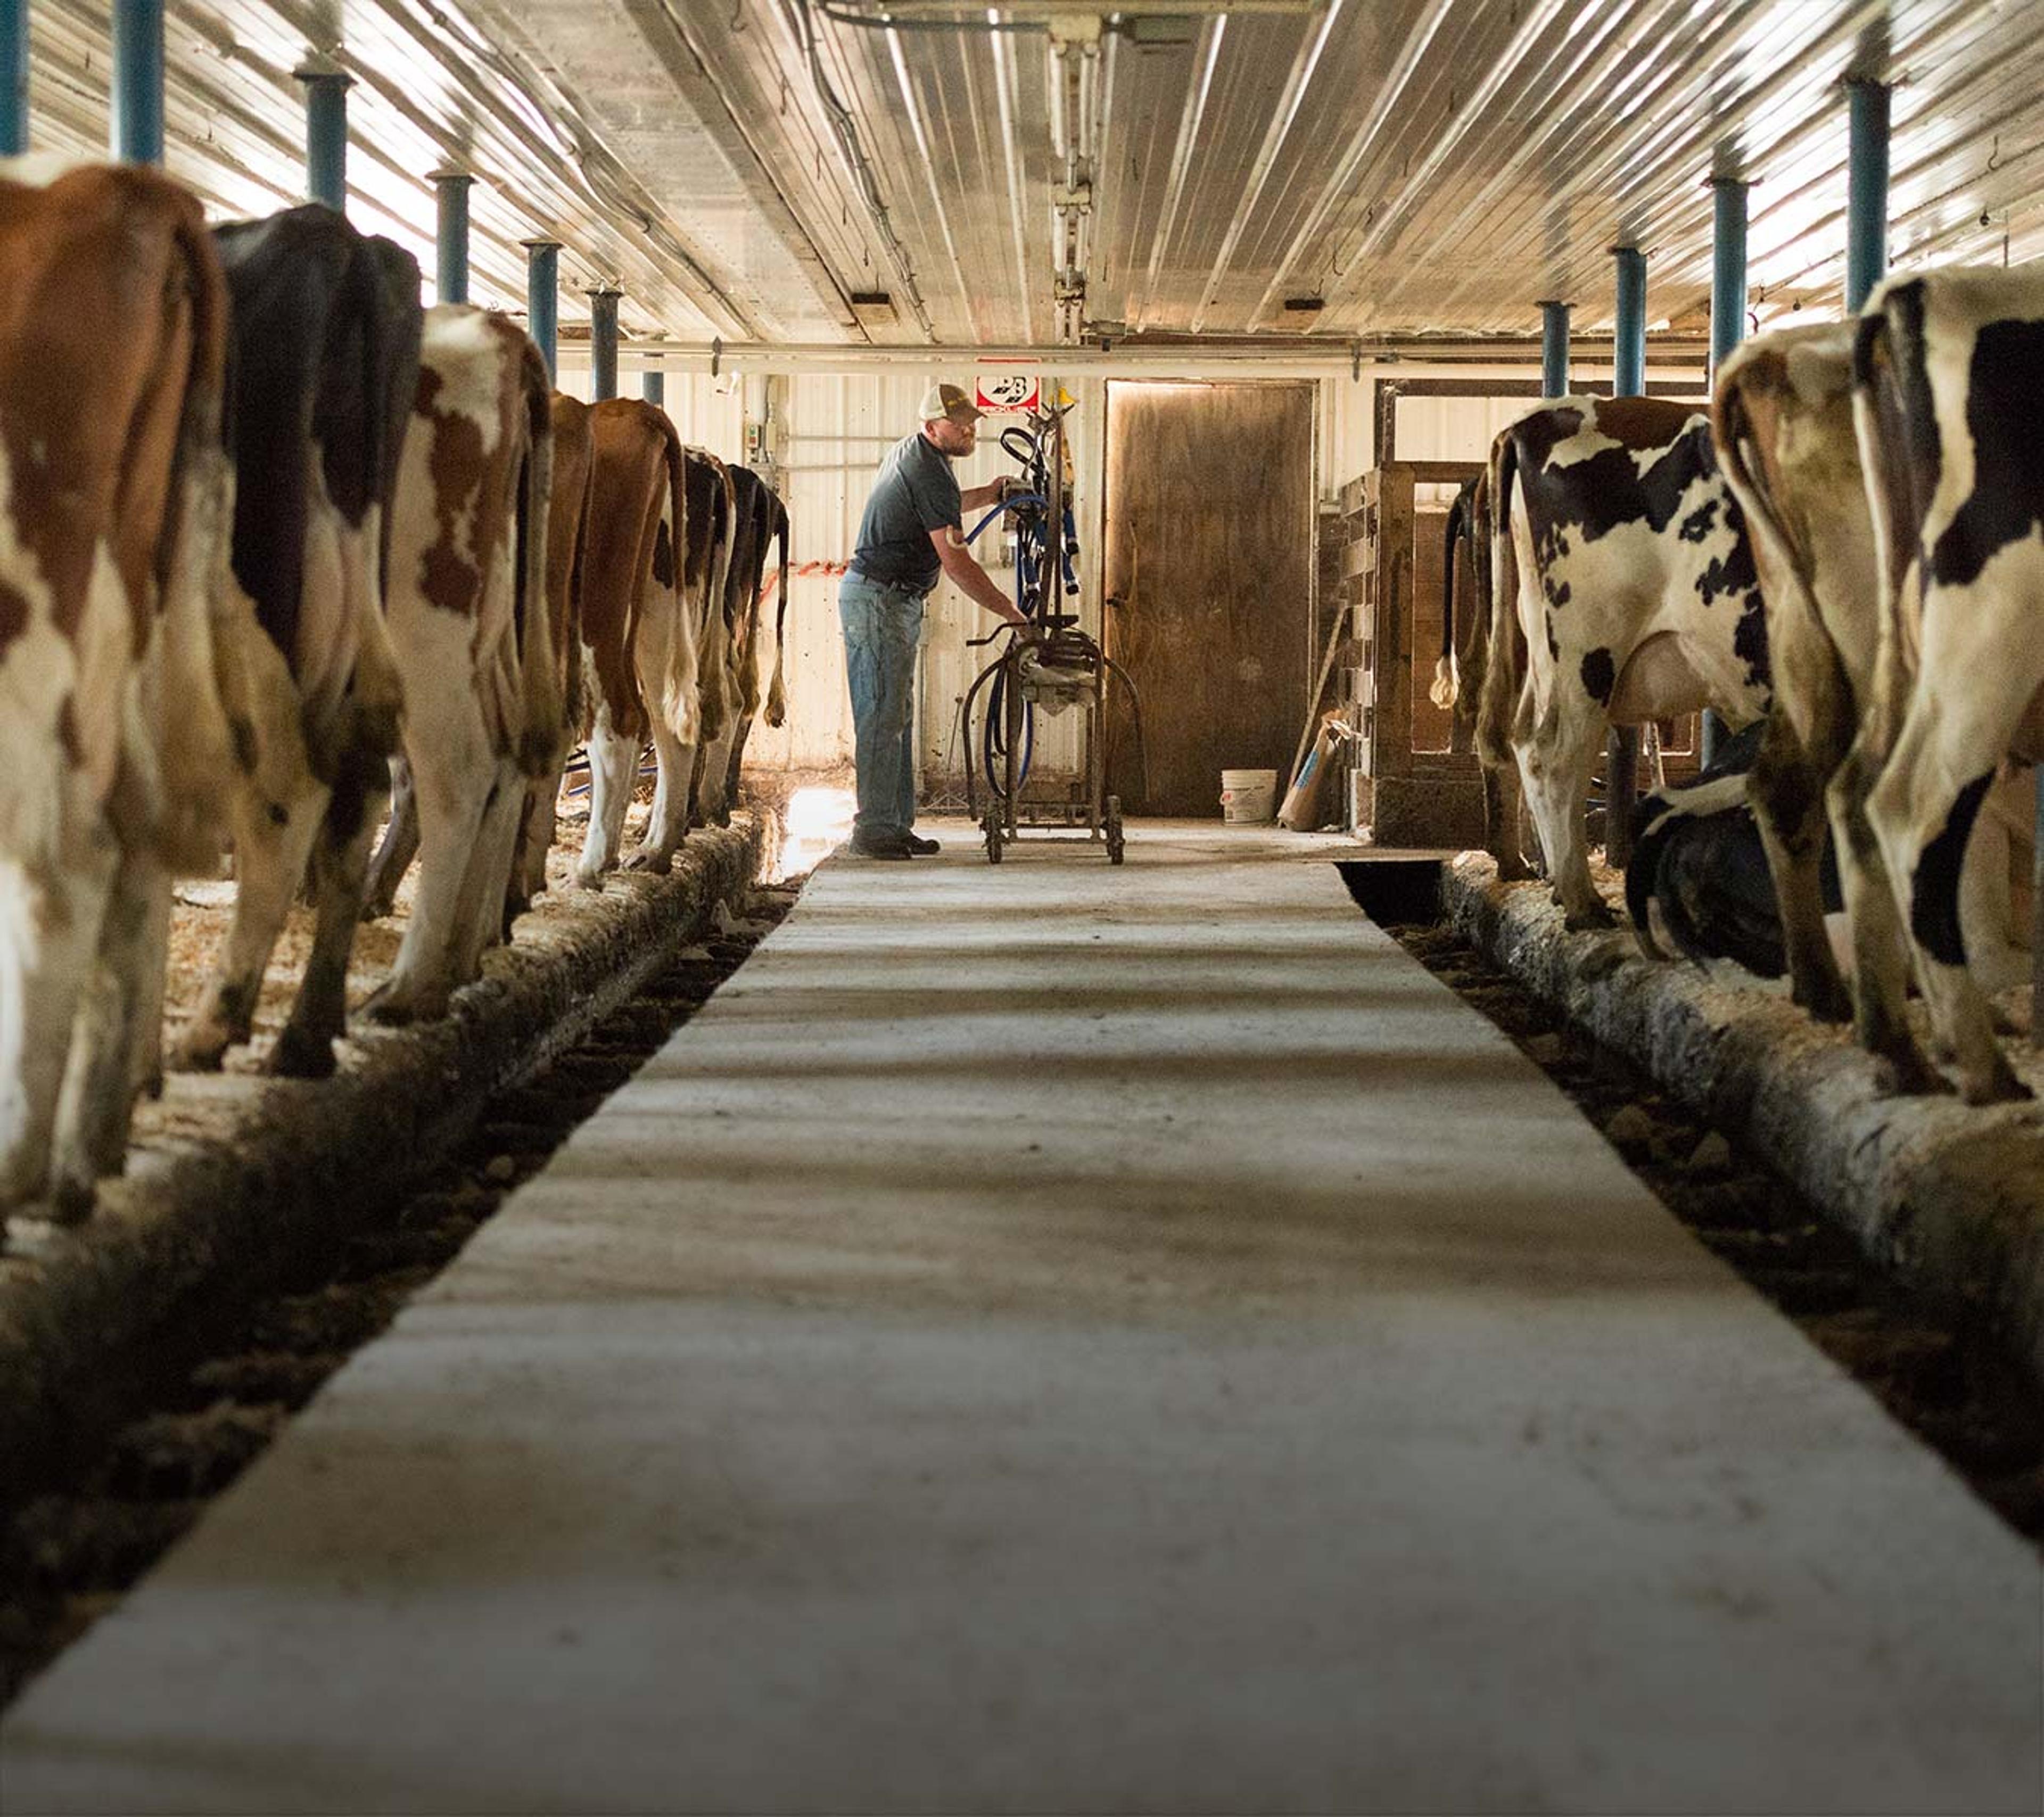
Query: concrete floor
pixel 1064 1338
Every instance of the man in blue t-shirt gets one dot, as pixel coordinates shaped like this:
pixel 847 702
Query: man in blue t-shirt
pixel 911 532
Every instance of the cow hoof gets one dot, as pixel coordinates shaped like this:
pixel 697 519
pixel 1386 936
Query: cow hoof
pixel 298 1055
pixel 71 1201
pixel 1826 1004
pixel 1996 1085
pixel 1514 869
pixel 1589 920
pixel 588 880
pixel 658 862
pixel 1909 1075
pixel 199 1054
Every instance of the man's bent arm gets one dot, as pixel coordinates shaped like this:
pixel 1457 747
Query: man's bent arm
pixel 970 578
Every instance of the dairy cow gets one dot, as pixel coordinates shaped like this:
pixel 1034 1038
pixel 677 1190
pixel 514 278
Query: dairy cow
pixel 1947 369
pixel 1464 657
pixel 567 524
pixel 113 732
pixel 470 623
pixel 760 518
pixel 324 357
pixel 639 643
pixel 1624 591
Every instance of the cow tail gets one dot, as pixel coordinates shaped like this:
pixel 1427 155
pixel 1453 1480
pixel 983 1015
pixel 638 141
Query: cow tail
pixel 715 658
pixel 1881 346
pixel 575 683
pixel 1504 662
pixel 776 697
pixel 1447 684
pixel 543 743
pixel 206 690
pixel 683 706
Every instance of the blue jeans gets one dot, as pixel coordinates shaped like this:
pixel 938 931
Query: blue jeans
pixel 882 623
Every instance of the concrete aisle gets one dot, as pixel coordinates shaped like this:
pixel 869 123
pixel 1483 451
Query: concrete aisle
pixel 1054 1338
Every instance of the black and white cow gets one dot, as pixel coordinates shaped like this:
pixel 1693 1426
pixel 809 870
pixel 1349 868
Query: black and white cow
pixel 1948 367
pixel 1783 418
pixel 1625 592
pixel 324 357
pixel 1458 683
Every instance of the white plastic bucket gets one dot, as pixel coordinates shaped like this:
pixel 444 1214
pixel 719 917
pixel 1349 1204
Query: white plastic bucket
pixel 1248 797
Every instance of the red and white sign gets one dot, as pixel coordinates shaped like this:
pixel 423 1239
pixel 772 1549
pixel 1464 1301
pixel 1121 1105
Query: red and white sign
pixel 1002 391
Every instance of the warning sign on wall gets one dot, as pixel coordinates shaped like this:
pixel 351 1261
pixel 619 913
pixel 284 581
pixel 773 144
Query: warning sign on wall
pixel 1007 391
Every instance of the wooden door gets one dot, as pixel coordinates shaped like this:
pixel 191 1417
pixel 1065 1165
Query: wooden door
pixel 1209 556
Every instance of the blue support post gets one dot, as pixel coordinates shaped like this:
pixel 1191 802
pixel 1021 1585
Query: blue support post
pixel 1628 379
pixel 653 383
pixel 1727 328
pixel 1866 192
pixel 138 81
pixel 1555 349
pixel 13 78
pixel 326 134
pixel 451 239
pixel 602 343
pixel 543 296
pixel 1628 370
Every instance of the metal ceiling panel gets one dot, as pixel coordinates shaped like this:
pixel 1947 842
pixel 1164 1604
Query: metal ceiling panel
pixel 1422 166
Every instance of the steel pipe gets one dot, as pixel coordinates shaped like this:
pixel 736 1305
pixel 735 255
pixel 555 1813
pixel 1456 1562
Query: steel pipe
pixel 653 384
pixel 1555 349
pixel 451 238
pixel 13 78
pixel 603 343
pixel 1728 198
pixel 1628 356
pixel 326 134
pixel 137 114
pixel 543 298
pixel 1866 191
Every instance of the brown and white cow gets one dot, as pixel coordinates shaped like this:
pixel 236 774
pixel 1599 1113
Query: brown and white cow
pixel 324 354
pixel 113 499
pixel 1625 592
pixel 639 642
pixel 1947 369
pixel 760 518
pixel 567 526
pixel 470 622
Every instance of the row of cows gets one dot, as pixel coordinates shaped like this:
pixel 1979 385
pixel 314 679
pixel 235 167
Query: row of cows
pixel 266 525
pixel 1848 552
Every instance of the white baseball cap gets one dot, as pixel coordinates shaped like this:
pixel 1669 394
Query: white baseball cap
pixel 949 401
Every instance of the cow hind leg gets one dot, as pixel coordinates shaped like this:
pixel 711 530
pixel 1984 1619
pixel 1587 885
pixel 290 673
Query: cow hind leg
pixel 536 839
pixel 125 986
pixel 48 929
pixel 304 1048
pixel 1555 760
pixel 668 824
pixel 1879 945
pixel 453 795
pixel 613 760
pixel 400 846
pixel 1786 789
pixel 713 806
pixel 1964 707
pixel 272 844
pixel 478 918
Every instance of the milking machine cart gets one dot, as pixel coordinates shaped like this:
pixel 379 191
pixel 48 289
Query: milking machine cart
pixel 1052 666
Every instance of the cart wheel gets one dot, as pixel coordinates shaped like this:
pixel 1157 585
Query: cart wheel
pixel 993 826
pixel 1111 821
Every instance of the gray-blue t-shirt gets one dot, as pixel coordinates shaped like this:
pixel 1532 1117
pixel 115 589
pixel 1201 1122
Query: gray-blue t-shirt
pixel 914 493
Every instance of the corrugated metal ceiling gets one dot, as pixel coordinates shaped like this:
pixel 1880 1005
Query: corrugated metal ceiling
pixel 1423 166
